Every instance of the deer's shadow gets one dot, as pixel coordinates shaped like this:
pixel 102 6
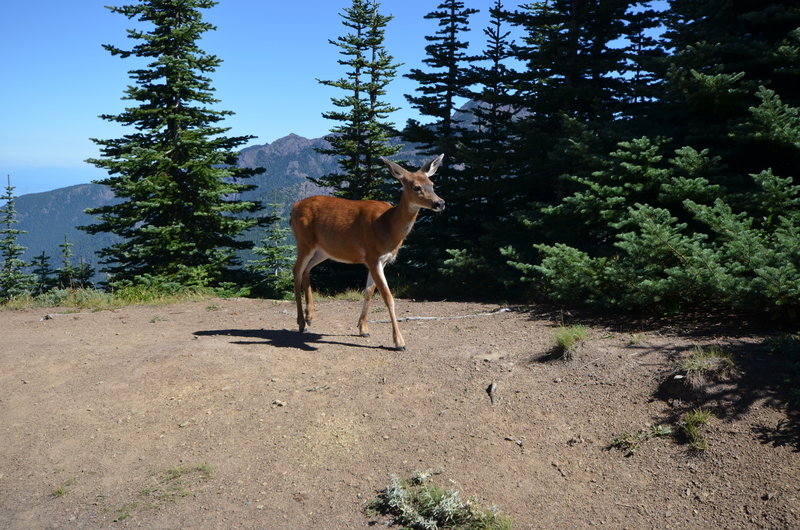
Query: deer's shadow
pixel 284 338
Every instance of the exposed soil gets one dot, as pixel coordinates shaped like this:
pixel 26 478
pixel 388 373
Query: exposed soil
pixel 302 431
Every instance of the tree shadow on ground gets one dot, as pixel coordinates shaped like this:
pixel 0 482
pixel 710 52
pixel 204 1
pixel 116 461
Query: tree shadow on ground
pixel 696 324
pixel 769 361
pixel 284 338
pixel 760 381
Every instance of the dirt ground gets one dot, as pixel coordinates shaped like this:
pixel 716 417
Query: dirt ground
pixel 302 431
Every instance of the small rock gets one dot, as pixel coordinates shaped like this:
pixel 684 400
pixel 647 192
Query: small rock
pixel 279 403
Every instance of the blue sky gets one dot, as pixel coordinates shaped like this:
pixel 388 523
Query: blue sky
pixel 58 78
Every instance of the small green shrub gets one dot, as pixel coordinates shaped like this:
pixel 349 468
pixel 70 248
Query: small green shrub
pixel 567 339
pixel 629 442
pixel 713 361
pixel 418 503
pixel 691 424
pixel 63 488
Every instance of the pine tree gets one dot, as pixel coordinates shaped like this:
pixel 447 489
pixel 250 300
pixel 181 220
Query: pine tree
pixel 43 273
pixel 363 134
pixel 275 265
pixel 14 282
pixel 65 274
pixel 481 196
pixel 443 88
pixel 83 273
pixel 663 237
pixel 576 89
pixel 444 84
pixel 180 213
pixel 69 275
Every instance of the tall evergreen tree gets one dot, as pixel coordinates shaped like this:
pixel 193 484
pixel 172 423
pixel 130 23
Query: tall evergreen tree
pixel 443 85
pixel 480 198
pixel 180 214
pixel 363 134
pixel 713 223
pixel 442 88
pixel 14 281
pixel 576 88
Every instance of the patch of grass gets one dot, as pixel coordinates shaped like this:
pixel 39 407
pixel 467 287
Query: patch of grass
pixel 161 294
pixel 567 339
pixel 213 307
pixel 692 374
pixel 712 361
pixel 74 298
pixel 63 488
pixel 691 424
pixel 635 339
pixel 629 442
pixel 96 299
pixel 418 503
pixel 350 295
pixel 165 487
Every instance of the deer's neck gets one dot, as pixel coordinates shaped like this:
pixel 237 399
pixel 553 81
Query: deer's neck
pixel 402 218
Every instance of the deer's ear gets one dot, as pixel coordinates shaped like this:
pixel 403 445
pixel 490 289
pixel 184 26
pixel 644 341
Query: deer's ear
pixel 431 167
pixel 396 170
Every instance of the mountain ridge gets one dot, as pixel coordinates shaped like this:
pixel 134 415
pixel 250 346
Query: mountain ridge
pixel 47 217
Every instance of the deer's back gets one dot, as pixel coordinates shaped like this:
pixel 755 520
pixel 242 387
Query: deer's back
pixel 330 222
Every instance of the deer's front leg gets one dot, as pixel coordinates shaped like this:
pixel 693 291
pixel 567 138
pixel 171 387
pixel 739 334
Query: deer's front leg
pixel 376 271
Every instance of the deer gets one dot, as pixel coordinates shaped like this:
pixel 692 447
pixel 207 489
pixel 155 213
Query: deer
pixel 363 232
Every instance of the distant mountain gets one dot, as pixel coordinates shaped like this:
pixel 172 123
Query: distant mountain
pixel 288 162
pixel 49 216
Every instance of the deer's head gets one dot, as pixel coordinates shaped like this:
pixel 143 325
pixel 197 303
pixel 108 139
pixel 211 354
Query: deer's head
pixel 417 185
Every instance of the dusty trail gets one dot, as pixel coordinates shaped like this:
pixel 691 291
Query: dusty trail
pixel 302 430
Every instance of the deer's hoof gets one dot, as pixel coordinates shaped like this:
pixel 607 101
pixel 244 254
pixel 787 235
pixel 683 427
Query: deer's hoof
pixel 365 335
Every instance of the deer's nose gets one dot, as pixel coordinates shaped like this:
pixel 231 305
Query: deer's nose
pixel 438 206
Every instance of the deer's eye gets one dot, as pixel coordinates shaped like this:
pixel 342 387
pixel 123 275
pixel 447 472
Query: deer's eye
pixel 417 188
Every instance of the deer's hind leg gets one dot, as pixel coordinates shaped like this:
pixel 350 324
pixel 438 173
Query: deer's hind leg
pixel 300 277
pixel 369 291
pixel 318 257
